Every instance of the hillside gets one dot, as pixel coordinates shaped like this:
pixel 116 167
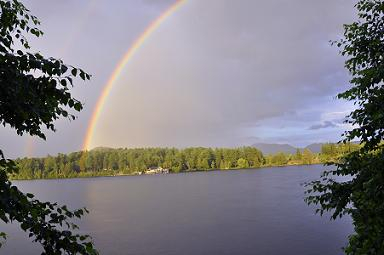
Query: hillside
pixel 273 148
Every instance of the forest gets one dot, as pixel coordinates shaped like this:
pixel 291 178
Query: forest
pixel 109 162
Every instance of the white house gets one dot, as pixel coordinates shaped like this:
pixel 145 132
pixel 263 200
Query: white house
pixel 157 170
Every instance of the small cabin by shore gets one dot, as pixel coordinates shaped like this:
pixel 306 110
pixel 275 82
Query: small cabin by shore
pixel 157 170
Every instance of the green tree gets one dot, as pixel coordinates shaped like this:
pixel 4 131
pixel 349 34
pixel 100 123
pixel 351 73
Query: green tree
pixel 34 92
pixel 362 195
pixel 298 155
pixel 242 163
pixel 50 165
pixel 253 156
pixel 307 157
pixel 83 161
pixel 203 159
pixel 279 159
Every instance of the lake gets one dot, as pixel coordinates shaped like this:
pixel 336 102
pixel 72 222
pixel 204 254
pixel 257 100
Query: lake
pixel 258 211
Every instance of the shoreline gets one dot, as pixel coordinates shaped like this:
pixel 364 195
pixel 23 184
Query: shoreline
pixel 182 172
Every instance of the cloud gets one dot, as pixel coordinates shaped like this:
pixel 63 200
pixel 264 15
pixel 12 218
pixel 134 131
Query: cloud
pixel 216 66
pixel 325 124
pixel 210 71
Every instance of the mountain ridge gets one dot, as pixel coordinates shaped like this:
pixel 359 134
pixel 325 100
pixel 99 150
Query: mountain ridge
pixel 273 148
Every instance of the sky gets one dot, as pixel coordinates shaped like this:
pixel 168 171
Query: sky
pixel 218 73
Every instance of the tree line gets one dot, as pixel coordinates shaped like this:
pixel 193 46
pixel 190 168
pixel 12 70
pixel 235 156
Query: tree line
pixel 330 152
pixel 107 161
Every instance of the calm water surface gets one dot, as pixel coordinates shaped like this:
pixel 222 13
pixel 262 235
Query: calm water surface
pixel 223 212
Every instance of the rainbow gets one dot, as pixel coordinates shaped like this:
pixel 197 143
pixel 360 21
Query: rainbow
pixel 120 66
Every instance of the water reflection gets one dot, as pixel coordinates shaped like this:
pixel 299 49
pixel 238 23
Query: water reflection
pixel 224 212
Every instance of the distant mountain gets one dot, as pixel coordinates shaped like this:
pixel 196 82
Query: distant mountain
pixel 272 148
pixel 315 147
